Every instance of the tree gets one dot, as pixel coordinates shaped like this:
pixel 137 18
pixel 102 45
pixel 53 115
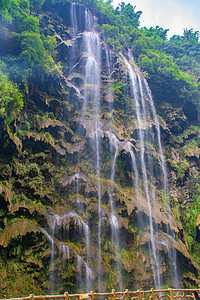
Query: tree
pixel 29 23
pixel 128 15
pixel 33 51
pixel 191 36
pixel 156 32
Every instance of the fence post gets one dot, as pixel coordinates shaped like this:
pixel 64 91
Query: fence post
pixel 66 296
pixel 171 294
pixel 31 296
pixel 92 295
pixel 127 295
pixel 113 294
pixel 152 294
pixel 139 295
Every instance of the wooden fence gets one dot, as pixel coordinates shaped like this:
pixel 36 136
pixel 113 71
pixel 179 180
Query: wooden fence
pixel 152 294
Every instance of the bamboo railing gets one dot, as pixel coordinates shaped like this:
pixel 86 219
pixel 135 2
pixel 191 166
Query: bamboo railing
pixel 159 294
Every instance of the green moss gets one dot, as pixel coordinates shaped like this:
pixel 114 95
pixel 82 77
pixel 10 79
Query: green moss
pixel 180 166
pixel 16 281
pixel 192 148
pixel 128 259
pixel 175 209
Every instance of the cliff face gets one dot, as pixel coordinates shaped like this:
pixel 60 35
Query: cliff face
pixel 85 199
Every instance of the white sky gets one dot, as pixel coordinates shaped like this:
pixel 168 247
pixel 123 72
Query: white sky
pixel 174 15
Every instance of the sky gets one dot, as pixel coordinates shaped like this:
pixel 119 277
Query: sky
pixel 174 15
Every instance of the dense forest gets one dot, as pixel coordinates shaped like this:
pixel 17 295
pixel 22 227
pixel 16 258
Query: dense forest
pixel 41 145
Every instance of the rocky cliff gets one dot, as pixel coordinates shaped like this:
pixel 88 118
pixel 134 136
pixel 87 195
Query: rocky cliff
pixel 99 188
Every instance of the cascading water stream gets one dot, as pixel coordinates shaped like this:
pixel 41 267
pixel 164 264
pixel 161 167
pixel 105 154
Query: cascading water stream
pixel 52 258
pixel 143 87
pixel 109 67
pixel 128 147
pixel 63 221
pixel 136 97
pixel 148 136
pixel 91 95
pixel 114 221
pixel 144 105
pixel 92 72
pixel 74 21
pixel 158 136
pixel 171 253
pixel 52 276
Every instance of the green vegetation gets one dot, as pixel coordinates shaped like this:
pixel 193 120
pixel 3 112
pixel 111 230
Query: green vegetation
pixel 11 100
pixel 191 214
pixel 180 166
pixel 185 50
pixel 30 52
pixel 170 65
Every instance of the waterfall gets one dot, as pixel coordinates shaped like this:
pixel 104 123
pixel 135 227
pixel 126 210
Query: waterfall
pixel 91 96
pixel 109 69
pixel 114 222
pixel 52 262
pixel 96 128
pixel 63 222
pixel 137 95
pixel 74 22
pixel 66 251
pixel 144 105
pixel 91 87
pixel 52 258
pixel 129 147
pixel 114 154
pixel 171 252
pixel 158 136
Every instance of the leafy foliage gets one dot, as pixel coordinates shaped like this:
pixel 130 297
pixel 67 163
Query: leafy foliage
pixel 11 99
pixel 33 51
pixel 166 80
pixel 128 15
pixel 29 23
pixel 185 50
pixel 29 50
